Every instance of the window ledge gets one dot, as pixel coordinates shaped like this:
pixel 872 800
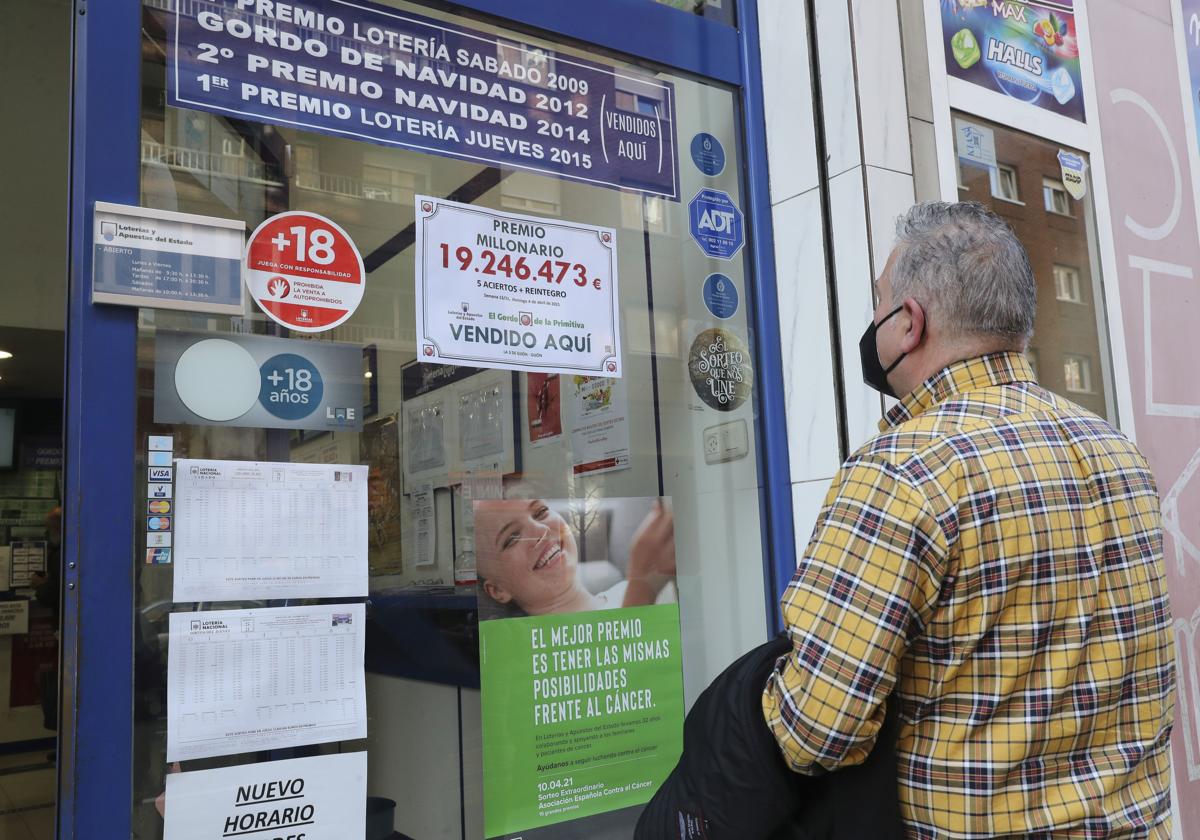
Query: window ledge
pixel 1015 201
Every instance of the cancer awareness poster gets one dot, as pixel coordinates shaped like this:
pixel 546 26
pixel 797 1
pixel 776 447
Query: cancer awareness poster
pixel 1026 51
pixel 597 410
pixel 581 672
pixel 501 290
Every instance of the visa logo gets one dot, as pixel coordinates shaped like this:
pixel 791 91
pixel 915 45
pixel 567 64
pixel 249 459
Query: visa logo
pixel 157 474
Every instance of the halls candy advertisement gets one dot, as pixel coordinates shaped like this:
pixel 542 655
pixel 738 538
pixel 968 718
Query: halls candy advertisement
pixel 1027 51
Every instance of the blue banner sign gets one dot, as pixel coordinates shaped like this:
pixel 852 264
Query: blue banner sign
pixel 363 71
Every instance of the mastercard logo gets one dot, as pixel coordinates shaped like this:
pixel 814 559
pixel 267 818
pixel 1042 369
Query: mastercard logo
pixel 162 506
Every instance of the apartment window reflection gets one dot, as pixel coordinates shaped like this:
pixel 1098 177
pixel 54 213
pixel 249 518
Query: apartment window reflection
pixel 1004 182
pixel 1077 373
pixel 1055 196
pixel 1066 284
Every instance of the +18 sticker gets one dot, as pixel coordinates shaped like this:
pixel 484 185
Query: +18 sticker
pixel 291 386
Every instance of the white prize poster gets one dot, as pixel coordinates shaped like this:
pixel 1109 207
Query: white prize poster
pixel 598 412
pixel 253 529
pixel 241 681
pixel 319 798
pixel 501 290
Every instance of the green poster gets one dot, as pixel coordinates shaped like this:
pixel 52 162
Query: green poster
pixel 582 713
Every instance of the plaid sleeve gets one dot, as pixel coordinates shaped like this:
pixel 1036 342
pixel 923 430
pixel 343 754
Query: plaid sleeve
pixel 864 587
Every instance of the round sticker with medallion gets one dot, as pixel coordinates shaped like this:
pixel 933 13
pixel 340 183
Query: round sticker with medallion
pixel 304 271
pixel 721 369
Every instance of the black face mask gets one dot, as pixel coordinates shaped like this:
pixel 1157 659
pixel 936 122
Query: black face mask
pixel 874 373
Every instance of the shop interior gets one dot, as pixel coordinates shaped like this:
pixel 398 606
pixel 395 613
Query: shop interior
pixel 37 61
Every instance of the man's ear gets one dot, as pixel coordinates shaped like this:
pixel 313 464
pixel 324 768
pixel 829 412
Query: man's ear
pixel 497 593
pixel 916 326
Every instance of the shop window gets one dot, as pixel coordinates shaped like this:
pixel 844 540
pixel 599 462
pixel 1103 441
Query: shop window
pixel 1004 183
pixel 1077 374
pixel 1066 284
pixel 1055 196
pixel 429 441
pixel 1059 235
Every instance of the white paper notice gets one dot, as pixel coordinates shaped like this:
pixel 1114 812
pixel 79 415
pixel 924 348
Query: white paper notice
pixel 319 798
pixel 245 529
pixel 424 526
pixel 28 559
pixel 246 680
pixel 598 412
pixel 500 290
pixel 14 617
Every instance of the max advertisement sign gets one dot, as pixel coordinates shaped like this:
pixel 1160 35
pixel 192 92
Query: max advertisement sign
pixel 1027 51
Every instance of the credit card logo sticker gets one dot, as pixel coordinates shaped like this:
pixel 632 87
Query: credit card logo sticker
pixel 158 556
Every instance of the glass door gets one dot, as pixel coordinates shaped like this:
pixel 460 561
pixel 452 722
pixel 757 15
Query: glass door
pixel 648 480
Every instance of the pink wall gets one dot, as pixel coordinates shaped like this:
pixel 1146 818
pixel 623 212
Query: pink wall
pixel 1154 227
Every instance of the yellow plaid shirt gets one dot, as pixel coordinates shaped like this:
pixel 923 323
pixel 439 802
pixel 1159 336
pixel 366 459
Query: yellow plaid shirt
pixel 993 562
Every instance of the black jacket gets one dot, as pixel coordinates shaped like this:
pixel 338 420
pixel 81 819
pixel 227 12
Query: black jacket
pixel 732 781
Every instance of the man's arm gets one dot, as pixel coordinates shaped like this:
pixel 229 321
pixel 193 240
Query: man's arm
pixel 865 586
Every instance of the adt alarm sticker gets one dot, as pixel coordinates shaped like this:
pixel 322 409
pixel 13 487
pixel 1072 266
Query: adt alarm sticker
pixel 304 271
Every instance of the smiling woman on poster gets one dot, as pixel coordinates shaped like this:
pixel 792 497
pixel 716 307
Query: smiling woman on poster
pixel 527 558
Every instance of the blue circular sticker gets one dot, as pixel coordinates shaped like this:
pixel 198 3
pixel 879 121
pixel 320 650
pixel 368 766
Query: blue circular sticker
pixel 291 386
pixel 708 154
pixel 720 296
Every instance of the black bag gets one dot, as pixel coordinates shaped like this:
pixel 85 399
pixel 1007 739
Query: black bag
pixel 732 781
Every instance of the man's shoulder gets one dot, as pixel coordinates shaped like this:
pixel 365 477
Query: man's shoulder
pixel 965 427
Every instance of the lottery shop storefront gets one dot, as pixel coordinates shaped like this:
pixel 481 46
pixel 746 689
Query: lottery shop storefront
pixel 436 410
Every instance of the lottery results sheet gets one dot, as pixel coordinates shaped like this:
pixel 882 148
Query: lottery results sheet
pixel 247 529
pixel 242 681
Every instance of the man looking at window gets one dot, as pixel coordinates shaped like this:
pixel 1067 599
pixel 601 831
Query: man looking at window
pixel 992 563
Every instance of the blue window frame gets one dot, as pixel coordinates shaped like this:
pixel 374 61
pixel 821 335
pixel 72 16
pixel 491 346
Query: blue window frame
pixel 98 614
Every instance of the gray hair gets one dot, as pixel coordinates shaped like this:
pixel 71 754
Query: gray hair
pixel 963 263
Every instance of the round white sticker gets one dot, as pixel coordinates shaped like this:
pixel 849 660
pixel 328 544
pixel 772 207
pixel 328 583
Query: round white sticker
pixel 304 271
pixel 217 379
